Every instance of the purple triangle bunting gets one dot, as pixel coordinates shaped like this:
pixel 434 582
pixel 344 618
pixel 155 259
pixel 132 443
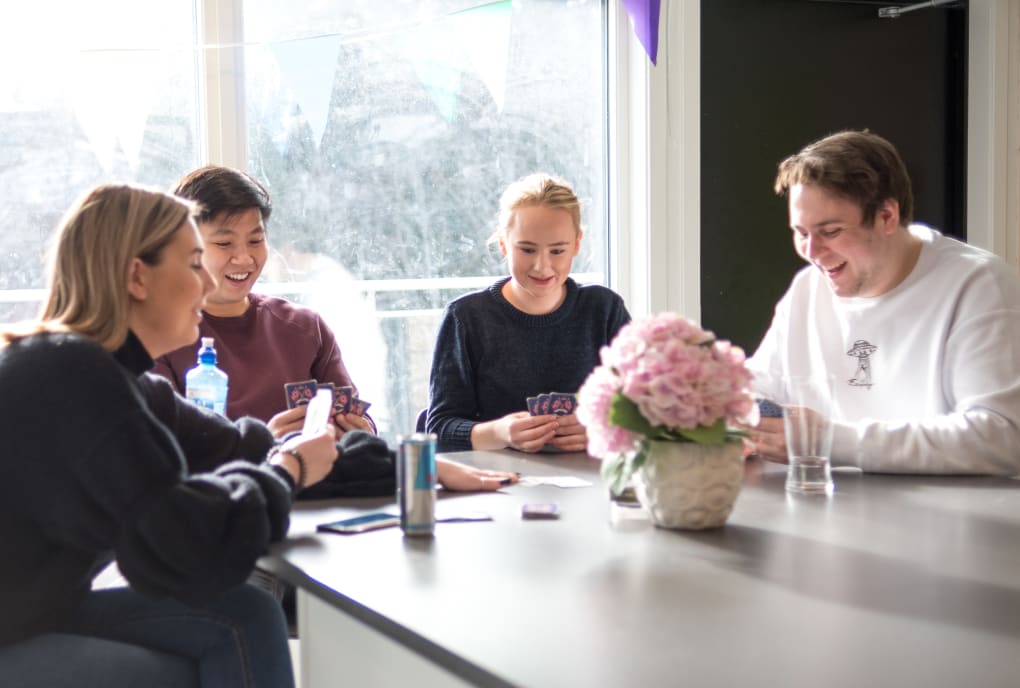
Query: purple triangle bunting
pixel 644 16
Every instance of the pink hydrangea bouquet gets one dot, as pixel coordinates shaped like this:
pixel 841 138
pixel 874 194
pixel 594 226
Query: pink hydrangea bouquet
pixel 662 378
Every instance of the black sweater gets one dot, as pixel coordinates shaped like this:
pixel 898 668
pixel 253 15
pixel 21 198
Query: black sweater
pixel 490 356
pixel 102 460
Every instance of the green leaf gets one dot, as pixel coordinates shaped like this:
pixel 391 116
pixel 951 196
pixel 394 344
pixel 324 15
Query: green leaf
pixel 736 433
pixel 618 470
pixel 706 434
pixel 639 458
pixel 624 413
pixel 614 472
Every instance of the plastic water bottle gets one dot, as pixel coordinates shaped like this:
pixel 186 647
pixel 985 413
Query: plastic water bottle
pixel 205 384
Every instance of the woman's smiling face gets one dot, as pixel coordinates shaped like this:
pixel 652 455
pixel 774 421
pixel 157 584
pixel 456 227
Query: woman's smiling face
pixel 539 244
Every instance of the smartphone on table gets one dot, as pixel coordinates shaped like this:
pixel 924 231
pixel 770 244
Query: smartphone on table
pixel 360 524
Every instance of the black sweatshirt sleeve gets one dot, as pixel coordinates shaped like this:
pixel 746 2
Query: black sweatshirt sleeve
pixel 187 536
pixel 115 476
pixel 206 438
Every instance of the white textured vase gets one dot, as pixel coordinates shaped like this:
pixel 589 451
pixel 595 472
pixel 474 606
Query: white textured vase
pixel 689 485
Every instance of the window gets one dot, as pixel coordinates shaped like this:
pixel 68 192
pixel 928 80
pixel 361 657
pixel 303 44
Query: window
pixel 385 132
pixel 91 92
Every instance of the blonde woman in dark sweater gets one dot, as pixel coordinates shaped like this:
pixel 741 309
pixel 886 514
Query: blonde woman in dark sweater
pixel 183 499
pixel 533 332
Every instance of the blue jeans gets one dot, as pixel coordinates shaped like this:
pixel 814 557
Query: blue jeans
pixel 118 637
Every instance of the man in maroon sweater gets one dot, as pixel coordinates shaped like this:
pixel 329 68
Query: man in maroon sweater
pixel 262 342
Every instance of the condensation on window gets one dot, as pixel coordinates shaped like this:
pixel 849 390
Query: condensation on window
pixel 388 130
pixel 385 132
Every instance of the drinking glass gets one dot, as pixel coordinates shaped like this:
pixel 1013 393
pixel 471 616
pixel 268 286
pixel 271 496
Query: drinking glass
pixel 807 421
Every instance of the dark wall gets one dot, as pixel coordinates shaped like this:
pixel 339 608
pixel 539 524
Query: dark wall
pixel 778 74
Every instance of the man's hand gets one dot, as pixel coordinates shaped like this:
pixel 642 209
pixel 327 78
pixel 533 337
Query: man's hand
pixel 286 422
pixel 345 422
pixel 769 440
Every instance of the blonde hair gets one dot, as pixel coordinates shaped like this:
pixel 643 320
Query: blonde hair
pixel 538 189
pixel 90 258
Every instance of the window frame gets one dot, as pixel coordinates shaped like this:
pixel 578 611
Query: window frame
pixel 993 127
pixel 223 125
pixel 654 129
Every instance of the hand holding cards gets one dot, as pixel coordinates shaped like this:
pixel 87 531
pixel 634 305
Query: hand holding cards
pixel 557 403
pixel 769 409
pixel 344 398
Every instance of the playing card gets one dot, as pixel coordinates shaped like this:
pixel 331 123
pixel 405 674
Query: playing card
pixel 544 510
pixel 359 406
pixel 299 392
pixel 769 409
pixel 342 399
pixel 543 404
pixel 532 403
pixel 562 404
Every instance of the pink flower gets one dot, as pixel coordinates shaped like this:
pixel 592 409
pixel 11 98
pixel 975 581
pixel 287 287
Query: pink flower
pixel 677 375
pixel 594 400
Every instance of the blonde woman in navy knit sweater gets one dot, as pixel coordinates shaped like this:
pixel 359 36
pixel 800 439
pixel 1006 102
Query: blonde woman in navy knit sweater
pixel 535 331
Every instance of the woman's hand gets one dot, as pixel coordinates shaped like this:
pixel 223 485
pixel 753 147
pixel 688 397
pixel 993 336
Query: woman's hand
pixel 519 430
pixel 571 436
pixel 463 478
pixel 318 452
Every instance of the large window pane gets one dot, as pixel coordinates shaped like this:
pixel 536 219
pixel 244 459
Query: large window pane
pixel 386 131
pixel 90 92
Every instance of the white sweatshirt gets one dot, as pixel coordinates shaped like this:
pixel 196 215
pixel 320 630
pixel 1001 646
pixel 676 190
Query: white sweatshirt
pixel 927 376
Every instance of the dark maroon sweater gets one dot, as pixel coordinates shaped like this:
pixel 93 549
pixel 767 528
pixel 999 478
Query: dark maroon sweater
pixel 273 343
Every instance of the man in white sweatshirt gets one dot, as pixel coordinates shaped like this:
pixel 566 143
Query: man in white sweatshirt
pixel 920 331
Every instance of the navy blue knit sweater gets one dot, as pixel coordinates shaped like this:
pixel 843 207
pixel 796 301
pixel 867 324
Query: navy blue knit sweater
pixel 490 356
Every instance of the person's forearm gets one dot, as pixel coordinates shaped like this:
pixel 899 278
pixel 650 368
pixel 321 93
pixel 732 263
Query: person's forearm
pixel 488 435
pixel 975 442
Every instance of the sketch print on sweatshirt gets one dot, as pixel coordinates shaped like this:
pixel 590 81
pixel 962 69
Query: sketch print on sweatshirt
pixel 862 351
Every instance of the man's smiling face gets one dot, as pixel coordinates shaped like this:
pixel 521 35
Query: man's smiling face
pixel 235 253
pixel 829 233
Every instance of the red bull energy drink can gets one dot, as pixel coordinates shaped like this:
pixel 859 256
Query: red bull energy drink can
pixel 416 483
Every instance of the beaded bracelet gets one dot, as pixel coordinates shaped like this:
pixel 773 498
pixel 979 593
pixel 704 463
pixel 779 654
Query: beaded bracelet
pixel 299 484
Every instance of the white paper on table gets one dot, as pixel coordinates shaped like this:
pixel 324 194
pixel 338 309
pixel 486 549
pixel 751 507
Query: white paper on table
pixel 555 480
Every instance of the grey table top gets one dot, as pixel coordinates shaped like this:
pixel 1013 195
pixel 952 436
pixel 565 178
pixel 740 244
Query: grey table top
pixel 893 581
